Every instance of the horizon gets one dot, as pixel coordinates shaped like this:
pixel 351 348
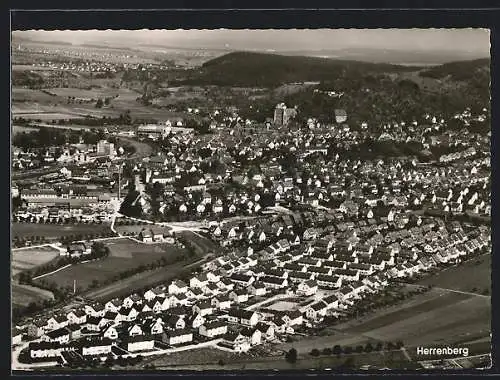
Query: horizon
pixel 474 43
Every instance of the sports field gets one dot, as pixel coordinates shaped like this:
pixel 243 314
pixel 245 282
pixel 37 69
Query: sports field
pixel 28 258
pixel 124 254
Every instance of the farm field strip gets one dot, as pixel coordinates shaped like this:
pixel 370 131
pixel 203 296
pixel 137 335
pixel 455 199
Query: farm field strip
pixel 463 277
pixel 442 320
pixel 128 285
pixel 22 295
pixel 27 230
pixel 405 313
pixel 28 258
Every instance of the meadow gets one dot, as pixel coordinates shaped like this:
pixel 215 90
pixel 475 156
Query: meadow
pixel 23 295
pixel 55 231
pixel 471 276
pixel 125 254
pixel 29 258
pixel 35 104
pixel 26 259
pixel 437 317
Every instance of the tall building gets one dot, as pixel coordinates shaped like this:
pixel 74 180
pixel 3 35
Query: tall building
pixel 282 114
pixel 105 148
pixel 340 116
pixel 278 113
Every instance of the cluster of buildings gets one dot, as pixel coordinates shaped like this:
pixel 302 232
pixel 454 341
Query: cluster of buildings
pixel 66 197
pixel 312 264
pixel 326 231
pixel 194 169
pixel 71 154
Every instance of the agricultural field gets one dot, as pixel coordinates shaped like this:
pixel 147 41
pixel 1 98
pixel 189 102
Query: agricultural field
pixel 124 254
pixel 35 104
pixel 149 278
pixel 23 295
pixel 438 317
pixel 44 116
pixel 29 258
pixel 55 231
pixel 471 276
pixel 207 359
pixel 132 229
pixel 20 129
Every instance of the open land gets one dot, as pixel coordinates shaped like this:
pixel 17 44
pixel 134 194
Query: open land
pixel 435 318
pixel 23 295
pixel 471 276
pixel 208 359
pixel 29 258
pixel 55 231
pixel 35 104
pixel 124 254
pixel 161 275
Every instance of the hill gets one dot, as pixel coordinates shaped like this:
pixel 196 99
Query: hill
pixel 460 71
pixel 249 69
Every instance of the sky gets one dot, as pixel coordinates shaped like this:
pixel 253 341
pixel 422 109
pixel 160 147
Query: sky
pixel 474 41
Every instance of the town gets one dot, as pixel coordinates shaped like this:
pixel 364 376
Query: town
pixel 256 238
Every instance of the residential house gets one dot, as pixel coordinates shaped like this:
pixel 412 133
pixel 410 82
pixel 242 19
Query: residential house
pixel 203 308
pixel 77 317
pixel 257 288
pixel 177 337
pixel 244 317
pixel 151 294
pixel 96 346
pixel 138 343
pixel 111 333
pixel 213 329
pixel 60 335
pixel 267 331
pixel 307 288
pixel 236 342
pixel 177 287
pixel 316 311
pixel 253 335
pixel 222 302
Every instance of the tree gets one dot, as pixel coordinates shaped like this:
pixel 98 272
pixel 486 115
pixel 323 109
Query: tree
pixel 314 352
pixel 291 355
pixel 368 347
pixel 99 103
pixel 17 202
pixel 359 349
pixel 337 350
pixel 327 351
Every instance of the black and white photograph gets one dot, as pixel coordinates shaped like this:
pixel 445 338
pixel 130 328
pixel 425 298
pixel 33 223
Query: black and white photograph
pixel 250 199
